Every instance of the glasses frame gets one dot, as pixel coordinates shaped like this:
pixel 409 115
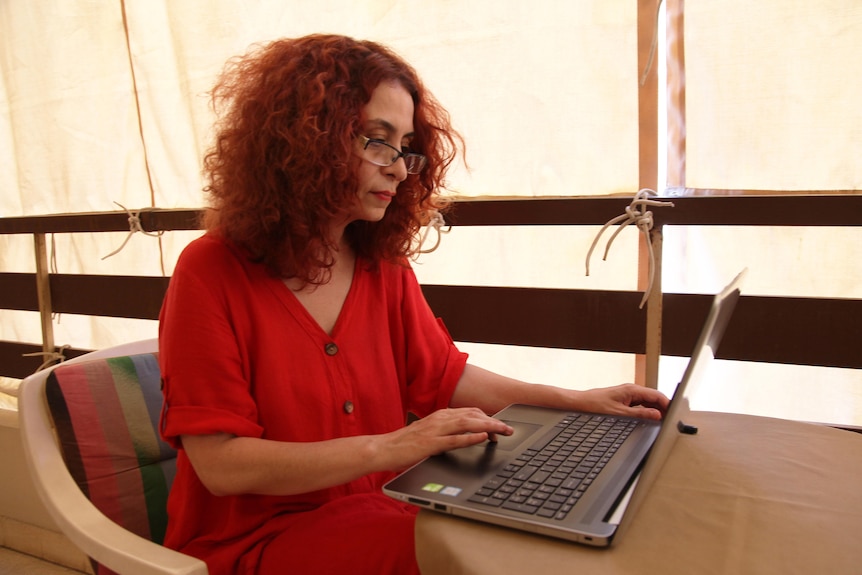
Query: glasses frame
pixel 409 157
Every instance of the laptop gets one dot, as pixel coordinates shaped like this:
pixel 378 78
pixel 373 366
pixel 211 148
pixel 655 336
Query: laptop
pixel 555 476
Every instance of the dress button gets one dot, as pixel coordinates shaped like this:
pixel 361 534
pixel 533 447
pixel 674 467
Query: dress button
pixel 331 349
pixel 348 407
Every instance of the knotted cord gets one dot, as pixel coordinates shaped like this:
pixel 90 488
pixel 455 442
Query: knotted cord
pixel 637 214
pixel 51 357
pixel 437 223
pixel 134 227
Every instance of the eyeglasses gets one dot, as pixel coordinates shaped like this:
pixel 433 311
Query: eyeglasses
pixel 382 154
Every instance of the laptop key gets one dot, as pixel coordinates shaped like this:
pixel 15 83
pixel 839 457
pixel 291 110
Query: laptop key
pixel 540 476
pixel 548 437
pixel 571 483
pixel 493 502
pixel 525 473
pixel 494 482
pixel 522 507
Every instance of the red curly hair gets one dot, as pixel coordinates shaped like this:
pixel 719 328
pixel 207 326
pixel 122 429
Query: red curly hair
pixel 280 169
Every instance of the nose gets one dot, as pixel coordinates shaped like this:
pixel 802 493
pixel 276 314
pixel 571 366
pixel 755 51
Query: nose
pixel 398 170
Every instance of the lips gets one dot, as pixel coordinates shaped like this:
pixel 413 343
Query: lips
pixel 384 196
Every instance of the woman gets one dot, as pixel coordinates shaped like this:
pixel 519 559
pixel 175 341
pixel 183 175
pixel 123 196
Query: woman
pixel 294 338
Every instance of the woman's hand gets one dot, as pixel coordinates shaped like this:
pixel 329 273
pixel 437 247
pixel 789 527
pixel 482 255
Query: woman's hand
pixel 441 431
pixel 627 399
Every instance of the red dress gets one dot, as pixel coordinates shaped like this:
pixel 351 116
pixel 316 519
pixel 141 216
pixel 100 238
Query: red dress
pixel 240 354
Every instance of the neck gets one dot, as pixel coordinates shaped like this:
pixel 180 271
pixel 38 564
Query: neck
pixel 338 237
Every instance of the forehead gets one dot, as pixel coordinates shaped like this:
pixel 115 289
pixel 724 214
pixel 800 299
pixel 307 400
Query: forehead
pixel 390 108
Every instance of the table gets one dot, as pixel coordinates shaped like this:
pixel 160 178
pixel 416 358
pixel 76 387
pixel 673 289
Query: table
pixel 745 495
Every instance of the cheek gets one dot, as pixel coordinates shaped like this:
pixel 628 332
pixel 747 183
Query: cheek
pixel 365 174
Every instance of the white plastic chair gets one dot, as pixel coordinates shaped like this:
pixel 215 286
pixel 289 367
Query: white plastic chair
pixel 106 542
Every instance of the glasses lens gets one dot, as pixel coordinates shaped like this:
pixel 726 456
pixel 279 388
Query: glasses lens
pixel 380 153
pixel 415 163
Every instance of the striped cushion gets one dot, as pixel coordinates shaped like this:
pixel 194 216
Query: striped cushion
pixel 106 412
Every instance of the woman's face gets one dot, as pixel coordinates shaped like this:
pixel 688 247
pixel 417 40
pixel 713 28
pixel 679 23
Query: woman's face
pixel 388 116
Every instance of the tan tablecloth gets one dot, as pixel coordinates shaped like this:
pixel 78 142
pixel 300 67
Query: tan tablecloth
pixel 746 495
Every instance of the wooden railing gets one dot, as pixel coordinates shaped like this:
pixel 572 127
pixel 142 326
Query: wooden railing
pixel 793 330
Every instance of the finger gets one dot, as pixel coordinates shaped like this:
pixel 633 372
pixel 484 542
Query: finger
pixel 643 412
pixel 648 397
pixel 450 442
pixel 492 427
pixel 467 420
pixel 476 421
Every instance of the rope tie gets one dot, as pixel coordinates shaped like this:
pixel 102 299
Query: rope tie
pixel 134 227
pixel 51 357
pixel 637 214
pixel 437 223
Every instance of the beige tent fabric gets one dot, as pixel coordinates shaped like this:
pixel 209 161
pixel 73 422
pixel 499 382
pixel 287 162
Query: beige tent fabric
pixel 772 103
pixel 69 136
pixel 772 94
pixel 104 104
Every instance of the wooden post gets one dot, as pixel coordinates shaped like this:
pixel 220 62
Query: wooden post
pixel 43 290
pixel 646 366
pixel 654 314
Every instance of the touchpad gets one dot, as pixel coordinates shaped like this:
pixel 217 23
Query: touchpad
pixel 523 431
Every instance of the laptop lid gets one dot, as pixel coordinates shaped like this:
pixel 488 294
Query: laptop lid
pixel 675 420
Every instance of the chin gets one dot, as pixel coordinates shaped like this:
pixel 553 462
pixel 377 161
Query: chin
pixel 373 215
pixel 368 212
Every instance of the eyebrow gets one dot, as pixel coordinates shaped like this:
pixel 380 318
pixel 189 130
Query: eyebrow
pixel 381 123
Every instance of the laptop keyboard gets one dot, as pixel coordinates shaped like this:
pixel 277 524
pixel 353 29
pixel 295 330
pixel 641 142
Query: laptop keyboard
pixel 547 479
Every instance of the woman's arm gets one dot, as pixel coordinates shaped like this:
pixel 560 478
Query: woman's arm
pixel 491 392
pixel 230 465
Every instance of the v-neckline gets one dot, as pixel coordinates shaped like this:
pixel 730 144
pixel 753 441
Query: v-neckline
pixel 343 312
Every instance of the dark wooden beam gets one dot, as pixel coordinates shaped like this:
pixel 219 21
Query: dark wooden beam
pixel 138 297
pixel 729 210
pixel 18 291
pixel 151 220
pixel 791 330
pixel 572 319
